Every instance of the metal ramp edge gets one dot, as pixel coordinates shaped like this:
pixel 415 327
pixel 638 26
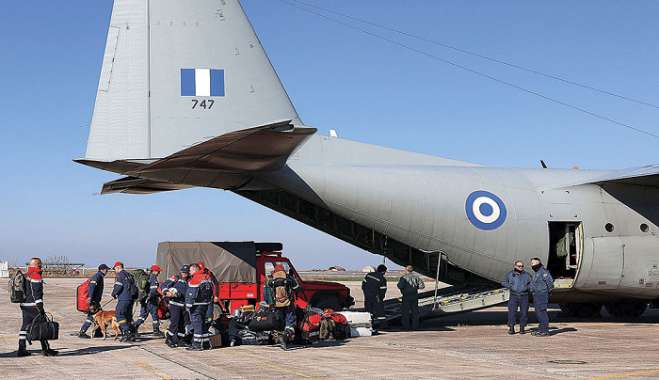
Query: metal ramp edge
pixel 451 300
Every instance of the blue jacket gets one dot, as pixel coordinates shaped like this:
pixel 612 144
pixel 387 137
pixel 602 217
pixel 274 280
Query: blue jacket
pixel 95 290
pixel 518 283
pixel 153 296
pixel 541 281
pixel 200 291
pixel 122 286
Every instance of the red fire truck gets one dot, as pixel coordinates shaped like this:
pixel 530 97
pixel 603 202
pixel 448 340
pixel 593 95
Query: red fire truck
pixel 242 270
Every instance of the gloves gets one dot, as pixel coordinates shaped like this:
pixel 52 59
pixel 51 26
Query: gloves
pixel 40 308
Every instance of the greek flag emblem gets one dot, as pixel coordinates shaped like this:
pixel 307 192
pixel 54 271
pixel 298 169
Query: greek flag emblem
pixel 202 82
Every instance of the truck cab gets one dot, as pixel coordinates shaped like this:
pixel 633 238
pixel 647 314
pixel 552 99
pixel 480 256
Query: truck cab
pixel 322 294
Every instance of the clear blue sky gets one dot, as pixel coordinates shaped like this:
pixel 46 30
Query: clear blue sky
pixel 367 89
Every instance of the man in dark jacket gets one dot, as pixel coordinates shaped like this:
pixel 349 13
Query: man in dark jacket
pixel 284 289
pixel 125 292
pixel 517 281
pixel 32 307
pixel 374 287
pixel 149 306
pixel 94 295
pixel 409 285
pixel 175 290
pixel 541 285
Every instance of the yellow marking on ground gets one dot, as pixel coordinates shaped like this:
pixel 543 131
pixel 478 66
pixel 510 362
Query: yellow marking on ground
pixel 148 367
pixel 625 375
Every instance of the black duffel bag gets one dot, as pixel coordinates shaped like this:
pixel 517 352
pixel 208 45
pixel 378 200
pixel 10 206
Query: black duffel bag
pixel 43 327
pixel 266 319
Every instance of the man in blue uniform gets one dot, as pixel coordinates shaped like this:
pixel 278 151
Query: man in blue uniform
pixel 198 299
pixel 517 282
pixel 125 292
pixel 94 295
pixel 175 289
pixel 150 305
pixel 541 285
pixel 32 307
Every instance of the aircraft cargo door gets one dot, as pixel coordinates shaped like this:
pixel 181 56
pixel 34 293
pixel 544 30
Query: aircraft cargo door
pixel 602 265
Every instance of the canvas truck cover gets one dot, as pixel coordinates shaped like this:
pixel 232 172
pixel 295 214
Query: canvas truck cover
pixel 229 261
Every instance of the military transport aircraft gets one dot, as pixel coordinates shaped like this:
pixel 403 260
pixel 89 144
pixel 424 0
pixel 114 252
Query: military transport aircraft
pixel 187 97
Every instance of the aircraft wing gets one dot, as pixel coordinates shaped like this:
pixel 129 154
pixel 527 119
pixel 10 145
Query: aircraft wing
pixel 643 176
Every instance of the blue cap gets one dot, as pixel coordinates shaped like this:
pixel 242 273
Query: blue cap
pixel 185 269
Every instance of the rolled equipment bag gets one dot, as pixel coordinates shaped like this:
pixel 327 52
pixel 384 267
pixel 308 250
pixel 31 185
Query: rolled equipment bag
pixel 43 327
pixel 163 310
pixel 266 319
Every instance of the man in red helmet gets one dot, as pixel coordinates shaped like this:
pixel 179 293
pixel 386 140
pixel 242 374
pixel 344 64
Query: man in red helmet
pixel 208 275
pixel 150 305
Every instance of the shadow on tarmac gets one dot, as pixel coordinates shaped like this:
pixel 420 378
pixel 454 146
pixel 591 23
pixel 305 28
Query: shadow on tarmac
pixel 63 352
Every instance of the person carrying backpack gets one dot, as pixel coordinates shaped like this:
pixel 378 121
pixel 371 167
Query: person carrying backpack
pixel 32 306
pixel 94 295
pixel 149 303
pixel 284 288
pixel 125 292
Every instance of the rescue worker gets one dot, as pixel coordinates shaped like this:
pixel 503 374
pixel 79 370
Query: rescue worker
pixel 374 287
pixel 517 281
pixel 284 287
pixel 94 295
pixel 210 277
pixel 409 285
pixel 125 292
pixel 198 299
pixel 32 307
pixel 541 285
pixel 149 306
pixel 175 290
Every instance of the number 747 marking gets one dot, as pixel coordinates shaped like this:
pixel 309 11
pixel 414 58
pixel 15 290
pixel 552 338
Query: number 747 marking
pixel 203 104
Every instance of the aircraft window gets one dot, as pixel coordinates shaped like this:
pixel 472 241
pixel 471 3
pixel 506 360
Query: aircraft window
pixel 609 227
pixel 644 227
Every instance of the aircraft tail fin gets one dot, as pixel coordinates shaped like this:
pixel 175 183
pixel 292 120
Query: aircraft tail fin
pixel 179 72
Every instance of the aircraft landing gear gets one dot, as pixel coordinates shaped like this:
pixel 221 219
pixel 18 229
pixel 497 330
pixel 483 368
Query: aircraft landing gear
pixel 582 310
pixel 626 309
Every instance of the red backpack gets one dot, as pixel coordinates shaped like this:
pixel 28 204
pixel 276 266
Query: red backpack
pixel 82 292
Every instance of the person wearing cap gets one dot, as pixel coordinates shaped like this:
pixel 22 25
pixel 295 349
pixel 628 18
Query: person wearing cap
pixel 284 287
pixel 150 305
pixel 125 292
pixel 94 295
pixel 174 290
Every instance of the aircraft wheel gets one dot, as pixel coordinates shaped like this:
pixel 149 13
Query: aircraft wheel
pixel 627 309
pixel 582 310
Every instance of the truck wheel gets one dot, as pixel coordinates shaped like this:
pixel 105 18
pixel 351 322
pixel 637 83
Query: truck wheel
pixel 329 301
pixel 626 309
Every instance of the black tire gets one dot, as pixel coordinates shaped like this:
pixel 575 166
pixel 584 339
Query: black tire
pixel 626 309
pixel 582 310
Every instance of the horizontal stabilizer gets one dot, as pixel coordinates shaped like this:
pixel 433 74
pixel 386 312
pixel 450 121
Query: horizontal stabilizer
pixel 257 149
pixel 643 176
pixel 228 162
pixel 132 185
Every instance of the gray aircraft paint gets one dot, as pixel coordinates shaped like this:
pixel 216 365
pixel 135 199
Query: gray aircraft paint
pixel 417 199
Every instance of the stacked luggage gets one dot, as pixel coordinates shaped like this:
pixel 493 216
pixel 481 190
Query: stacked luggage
pixel 360 323
pixel 320 325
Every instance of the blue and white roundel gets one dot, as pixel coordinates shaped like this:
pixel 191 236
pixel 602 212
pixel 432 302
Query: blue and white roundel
pixel 485 210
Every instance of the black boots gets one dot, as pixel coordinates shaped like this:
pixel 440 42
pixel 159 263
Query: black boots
pixel 46 350
pixel 22 352
pixel 156 331
pixel 511 331
pixel 522 330
pixel 83 335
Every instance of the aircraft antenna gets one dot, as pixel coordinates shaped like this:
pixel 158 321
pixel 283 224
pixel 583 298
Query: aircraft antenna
pixel 474 71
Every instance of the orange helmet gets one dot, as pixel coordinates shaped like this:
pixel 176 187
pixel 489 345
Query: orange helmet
pixel 279 268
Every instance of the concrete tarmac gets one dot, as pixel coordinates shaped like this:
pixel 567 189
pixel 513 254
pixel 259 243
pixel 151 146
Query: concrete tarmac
pixel 465 346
